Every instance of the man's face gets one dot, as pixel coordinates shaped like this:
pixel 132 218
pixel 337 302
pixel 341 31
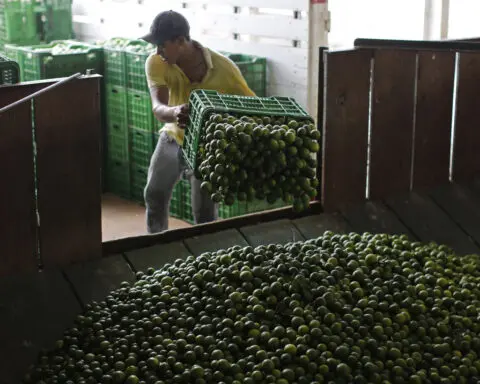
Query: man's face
pixel 171 50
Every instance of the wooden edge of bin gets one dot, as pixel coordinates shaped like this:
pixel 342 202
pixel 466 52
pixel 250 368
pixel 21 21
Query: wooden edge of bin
pixel 132 243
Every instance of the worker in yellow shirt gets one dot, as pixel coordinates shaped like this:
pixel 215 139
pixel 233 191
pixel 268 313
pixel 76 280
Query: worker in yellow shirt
pixel 179 66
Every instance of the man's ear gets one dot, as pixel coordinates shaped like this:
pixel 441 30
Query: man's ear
pixel 181 40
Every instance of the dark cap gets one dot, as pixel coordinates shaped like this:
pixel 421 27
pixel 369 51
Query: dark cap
pixel 167 26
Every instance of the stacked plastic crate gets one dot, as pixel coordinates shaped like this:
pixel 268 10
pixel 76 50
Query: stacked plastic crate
pixel 56 59
pixel 30 22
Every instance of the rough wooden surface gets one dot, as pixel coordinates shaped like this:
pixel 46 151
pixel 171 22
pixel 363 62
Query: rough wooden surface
pixel 430 223
pixel 346 128
pixel 275 232
pixel 433 126
pixel 69 173
pixel 35 309
pixel 157 256
pixel 393 105
pixel 94 280
pixel 314 226
pixel 18 221
pixel 374 217
pixel 215 241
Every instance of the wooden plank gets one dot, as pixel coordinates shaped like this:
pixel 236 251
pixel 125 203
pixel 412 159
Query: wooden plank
pixel 429 223
pixel 35 309
pixel 433 119
pixel 466 162
pixel 462 205
pixel 314 226
pixel 157 256
pixel 69 172
pixel 374 217
pixel 276 232
pixel 133 243
pixel 392 122
pixel 94 280
pixel 215 241
pixel 18 221
pixel 345 136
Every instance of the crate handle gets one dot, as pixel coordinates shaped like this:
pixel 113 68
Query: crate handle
pixel 114 90
pixel 137 96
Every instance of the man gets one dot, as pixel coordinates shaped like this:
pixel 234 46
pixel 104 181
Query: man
pixel 179 66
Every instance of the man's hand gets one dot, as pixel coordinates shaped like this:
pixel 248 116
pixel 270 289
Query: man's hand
pixel 181 114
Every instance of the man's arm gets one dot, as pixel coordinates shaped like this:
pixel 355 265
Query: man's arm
pixel 163 112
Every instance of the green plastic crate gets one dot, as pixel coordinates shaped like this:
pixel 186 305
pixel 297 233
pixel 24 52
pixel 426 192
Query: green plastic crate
pixel 118 178
pixel 240 208
pixel 116 102
pixel 18 22
pixel 187 213
pixel 135 56
pixel 254 70
pixel 57 18
pixel 118 142
pixel 141 147
pixel 140 114
pixel 176 203
pixel 203 103
pixel 13 53
pixel 139 181
pixel 60 59
pixel 9 71
pixel 114 61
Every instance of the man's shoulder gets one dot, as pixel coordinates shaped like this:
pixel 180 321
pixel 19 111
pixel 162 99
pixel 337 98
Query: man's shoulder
pixel 155 62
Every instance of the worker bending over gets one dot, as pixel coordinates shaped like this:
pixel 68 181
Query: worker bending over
pixel 179 66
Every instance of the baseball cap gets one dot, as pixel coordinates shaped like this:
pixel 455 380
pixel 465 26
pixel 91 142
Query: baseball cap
pixel 167 26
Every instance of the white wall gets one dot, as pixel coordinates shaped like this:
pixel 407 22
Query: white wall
pixel 274 31
pixel 376 19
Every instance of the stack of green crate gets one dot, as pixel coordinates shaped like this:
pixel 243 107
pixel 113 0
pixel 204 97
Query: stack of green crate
pixel 254 70
pixel 30 22
pixel 18 22
pixel 140 120
pixel 117 174
pixel 9 71
pixel 56 59
pixel 57 19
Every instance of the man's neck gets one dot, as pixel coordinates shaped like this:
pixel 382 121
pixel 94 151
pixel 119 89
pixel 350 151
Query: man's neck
pixel 189 54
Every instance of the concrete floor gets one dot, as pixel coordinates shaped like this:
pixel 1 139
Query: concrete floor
pixel 122 218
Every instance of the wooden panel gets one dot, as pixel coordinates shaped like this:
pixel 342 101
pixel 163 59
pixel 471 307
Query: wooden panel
pixel 433 118
pixel 429 223
pixel 346 128
pixel 35 309
pixel 466 162
pixel 68 168
pixel 275 232
pixel 94 280
pixel 157 256
pixel 18 222
pixel 462 205
pixel 314 226
pixel 392 122
pixel 215 241
pixel 374 217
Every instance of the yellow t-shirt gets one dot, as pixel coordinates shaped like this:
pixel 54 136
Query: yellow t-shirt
pixel 222 76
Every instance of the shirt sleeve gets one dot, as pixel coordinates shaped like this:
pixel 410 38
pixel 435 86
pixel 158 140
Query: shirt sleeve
pixel 155 71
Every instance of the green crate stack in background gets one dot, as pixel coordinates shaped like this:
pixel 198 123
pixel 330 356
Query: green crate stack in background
pixel 31 22
pixel 56 59
pixel 254 70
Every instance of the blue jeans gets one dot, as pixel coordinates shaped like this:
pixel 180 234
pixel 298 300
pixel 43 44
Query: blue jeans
pixel 166 168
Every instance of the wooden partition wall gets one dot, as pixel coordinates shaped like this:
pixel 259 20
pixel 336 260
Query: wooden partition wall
pixel 399 116
pixel 50 164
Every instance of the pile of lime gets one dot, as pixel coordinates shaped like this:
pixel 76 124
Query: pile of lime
pixel 265 158
pixel 337 309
